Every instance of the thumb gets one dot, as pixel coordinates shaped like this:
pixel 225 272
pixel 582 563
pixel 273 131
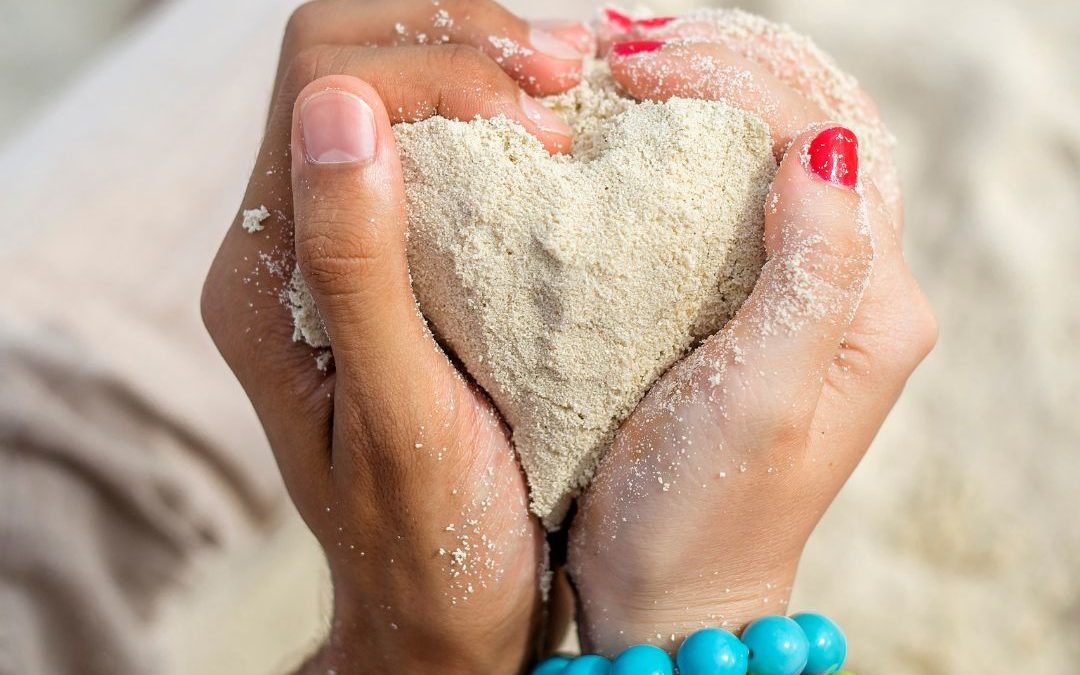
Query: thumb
pixel 349 207
pixel 819 256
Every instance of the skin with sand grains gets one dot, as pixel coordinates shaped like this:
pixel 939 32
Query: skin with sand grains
pixel 732 459
pixel 403 469
pixel 400 466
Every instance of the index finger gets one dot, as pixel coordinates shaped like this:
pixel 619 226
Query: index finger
pixel 542 59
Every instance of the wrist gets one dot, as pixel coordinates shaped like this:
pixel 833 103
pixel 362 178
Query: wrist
pixel 355 651
pixel 609 623
pixel 369 637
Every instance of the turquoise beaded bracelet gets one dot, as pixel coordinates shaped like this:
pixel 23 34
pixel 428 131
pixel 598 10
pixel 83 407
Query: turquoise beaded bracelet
pixel 805 644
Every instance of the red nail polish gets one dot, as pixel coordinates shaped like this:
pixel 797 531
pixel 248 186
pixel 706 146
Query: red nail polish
pixel 618 19
pixel 636 47
pixel 656 22
pixel 834 156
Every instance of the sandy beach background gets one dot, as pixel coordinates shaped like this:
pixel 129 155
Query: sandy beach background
pixel 956 546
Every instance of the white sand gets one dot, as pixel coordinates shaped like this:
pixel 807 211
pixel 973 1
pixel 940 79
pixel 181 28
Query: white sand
pixel 567 285
pixel 253 219
pixel 954 547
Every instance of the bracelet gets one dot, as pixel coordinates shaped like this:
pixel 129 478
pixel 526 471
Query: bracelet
pixel 805 644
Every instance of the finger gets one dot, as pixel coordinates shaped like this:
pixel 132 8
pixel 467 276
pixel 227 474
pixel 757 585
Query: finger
pixel 782 341
pixel 349 201
pixel 541 61
pixel 801 65
pixel 416 83
pixel 613 25
pixel 893 331
pixel 658 71
pixel 894 324
pixel 793 58
pixel 574 33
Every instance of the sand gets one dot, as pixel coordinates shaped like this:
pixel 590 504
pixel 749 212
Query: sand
pixel 253 219
pixel 567 285
pixel 953 549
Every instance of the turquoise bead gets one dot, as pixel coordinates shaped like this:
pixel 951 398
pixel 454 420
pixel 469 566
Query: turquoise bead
pixel 828 646
pixel 642 660
pixel 777 646
pixel 712 651
pixel 556 665
pixel 590 664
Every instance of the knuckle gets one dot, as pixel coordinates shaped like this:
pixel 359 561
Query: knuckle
pixel 915 332
pixel 303 25
pixel 211 307
pixel 303 68
pixel 473 70
pixel 841 260
pixel 478 84
pixel 855 358
pixel 313 62
pixel 329 253
pixel 469 65
pixel 473 7
pixel 925 329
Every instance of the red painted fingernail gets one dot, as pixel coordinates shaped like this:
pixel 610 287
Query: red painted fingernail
pixel 618 19
pixel 656 22
pixel 636 47
pixel 834 156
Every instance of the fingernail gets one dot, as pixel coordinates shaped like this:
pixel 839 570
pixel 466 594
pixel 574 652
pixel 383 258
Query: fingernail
pixel 338 128
pixel 655 22
pixel 542 117
pixel 834 157
pixel 573 33
pixel 635 47
pixel 549 45
pixel 618 19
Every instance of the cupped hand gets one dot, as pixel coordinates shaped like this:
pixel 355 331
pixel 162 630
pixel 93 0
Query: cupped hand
pixel 400 466
pixel 701 509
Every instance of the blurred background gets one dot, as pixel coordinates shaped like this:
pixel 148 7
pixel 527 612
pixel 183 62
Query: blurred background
pixel 48 43
pixel 127 131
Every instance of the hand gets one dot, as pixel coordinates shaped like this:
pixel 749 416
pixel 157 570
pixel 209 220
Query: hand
pixel 701 509
pixel 400 467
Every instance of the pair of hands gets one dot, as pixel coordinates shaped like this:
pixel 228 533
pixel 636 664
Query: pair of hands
pixel 403 469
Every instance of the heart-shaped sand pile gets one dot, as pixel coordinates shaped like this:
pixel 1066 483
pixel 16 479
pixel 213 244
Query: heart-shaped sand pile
pixel 567 285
